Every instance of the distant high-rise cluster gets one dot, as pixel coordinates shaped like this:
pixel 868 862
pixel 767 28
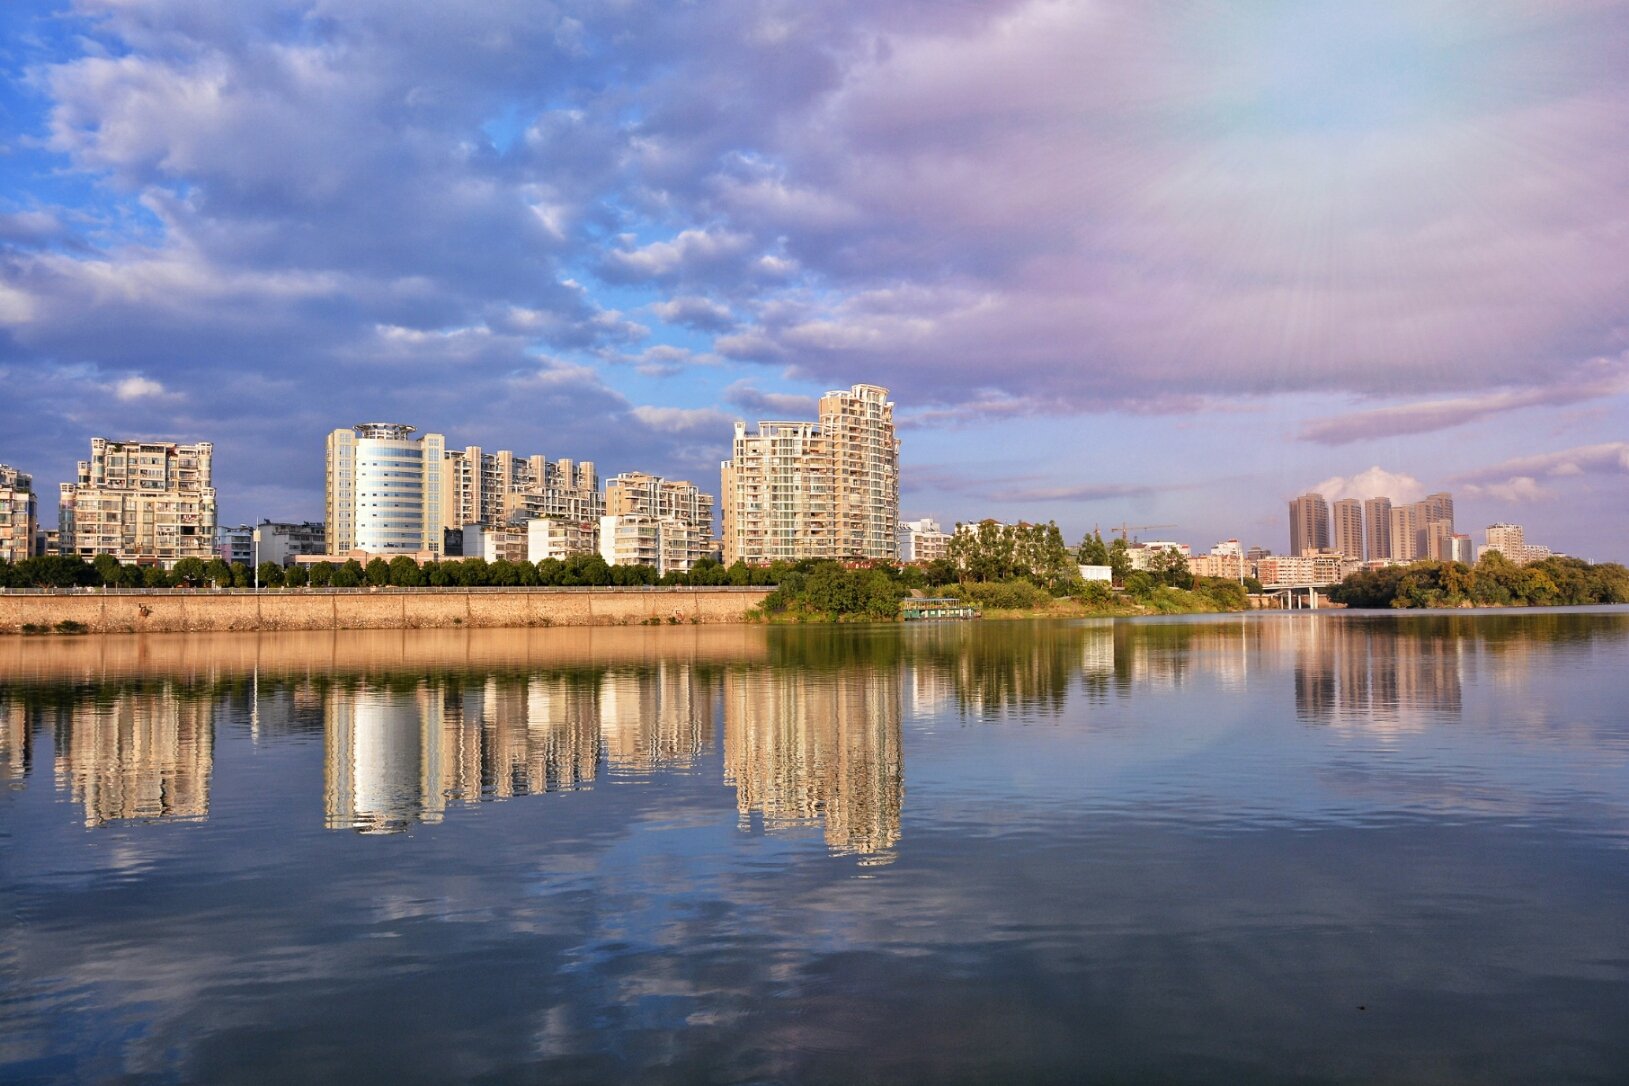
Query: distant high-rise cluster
pixel 1377 530
pixel 822 489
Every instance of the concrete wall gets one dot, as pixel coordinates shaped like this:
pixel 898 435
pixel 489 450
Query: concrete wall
pixel 209 656
pixel 410 609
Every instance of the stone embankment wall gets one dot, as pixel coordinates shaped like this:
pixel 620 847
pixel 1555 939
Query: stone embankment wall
pixel 406 609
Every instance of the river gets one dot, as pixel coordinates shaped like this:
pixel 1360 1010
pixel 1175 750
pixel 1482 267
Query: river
pixel 1309 847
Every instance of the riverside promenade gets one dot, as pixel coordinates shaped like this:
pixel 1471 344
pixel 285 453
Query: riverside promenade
pixel 209 611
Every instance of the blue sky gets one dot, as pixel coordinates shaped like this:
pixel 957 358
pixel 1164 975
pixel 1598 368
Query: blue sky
pixel 1165 264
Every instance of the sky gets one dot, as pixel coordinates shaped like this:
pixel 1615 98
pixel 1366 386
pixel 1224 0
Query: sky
pixel 1162 264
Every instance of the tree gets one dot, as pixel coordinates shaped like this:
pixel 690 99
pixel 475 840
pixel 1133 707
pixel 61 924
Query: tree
pixel 376 572
pixel 405 573
pixel 349 575
pixel 107 569
pixel 1169 566
pixel 321 574
pixel 54 571
pixel 297 576
pixel 219 573
pixel 190 571
pixel 1119 561
pixel 271 574
pixel 1093 551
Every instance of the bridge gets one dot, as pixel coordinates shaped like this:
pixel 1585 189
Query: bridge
pixel 1291 597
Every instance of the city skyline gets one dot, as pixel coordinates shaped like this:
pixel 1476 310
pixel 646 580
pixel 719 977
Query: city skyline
pixel 1167 266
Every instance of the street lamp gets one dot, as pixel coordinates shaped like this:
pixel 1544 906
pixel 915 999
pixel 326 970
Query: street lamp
pixel 255 535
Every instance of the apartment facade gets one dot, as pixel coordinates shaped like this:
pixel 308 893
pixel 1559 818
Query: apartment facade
pixel 1309 523
pixel 19 515
pixel 1510 540
pixel 144 502
pixel 639 539
pixel 822 489
pixel 922 540
pixel 1346 527
pixel 384 490
pixel 636 494
pixel 558 537
pixel 282 542
pixel 1377 525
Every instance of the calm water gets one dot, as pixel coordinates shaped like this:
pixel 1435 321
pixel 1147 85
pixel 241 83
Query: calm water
pixel 1287 848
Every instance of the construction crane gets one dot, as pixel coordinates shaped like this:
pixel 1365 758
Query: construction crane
pixel 1126 529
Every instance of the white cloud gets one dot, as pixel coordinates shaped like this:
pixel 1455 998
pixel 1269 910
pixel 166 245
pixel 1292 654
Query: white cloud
pixel 137 388
pixel 675 420
pixel 1377 482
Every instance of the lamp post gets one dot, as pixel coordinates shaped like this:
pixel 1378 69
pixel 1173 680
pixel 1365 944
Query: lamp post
pixel 255 535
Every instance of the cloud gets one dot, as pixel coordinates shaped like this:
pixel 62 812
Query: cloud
pixel 998 210
pixel 1601 379
pixel 693 253
pixel 137 387
pixel 1519 480
pixel 779 405
pixel 1376 482
pixel 702 314
pixel 681 420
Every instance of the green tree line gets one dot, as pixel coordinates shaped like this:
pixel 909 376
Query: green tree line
pixel 1494 581
pixel 399 572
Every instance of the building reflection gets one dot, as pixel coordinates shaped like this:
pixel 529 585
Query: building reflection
pixel 396 756
pixel 146 753
pixel 806 747
pixel 658 719
pixel 16 742
pixel 1361 674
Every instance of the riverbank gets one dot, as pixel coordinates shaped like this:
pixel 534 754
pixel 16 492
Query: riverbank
pixel 112 611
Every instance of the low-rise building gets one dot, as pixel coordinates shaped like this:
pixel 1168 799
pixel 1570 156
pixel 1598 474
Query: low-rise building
pixel 922 540
pixel 1142 555
pixel 502 542
pixel 637 539
pixel 281 542
pixel 557 537
pixel 235 543
pixel 1318 568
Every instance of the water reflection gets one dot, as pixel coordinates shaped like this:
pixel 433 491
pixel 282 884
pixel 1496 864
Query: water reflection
pixel 807 747
pixel 703 868
pixel 804 724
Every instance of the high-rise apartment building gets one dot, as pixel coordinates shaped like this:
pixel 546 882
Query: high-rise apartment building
pixel 1377 519
pixel 384 490
pixel 148 502
pixel 636 494
pixel 824 489
pixel 1510 540
pixel 561 490
pixel 19 515
pixel 1406 544
pixel 1309 523
pixel 474 485
pixel 1347 527
pixel 1423 529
